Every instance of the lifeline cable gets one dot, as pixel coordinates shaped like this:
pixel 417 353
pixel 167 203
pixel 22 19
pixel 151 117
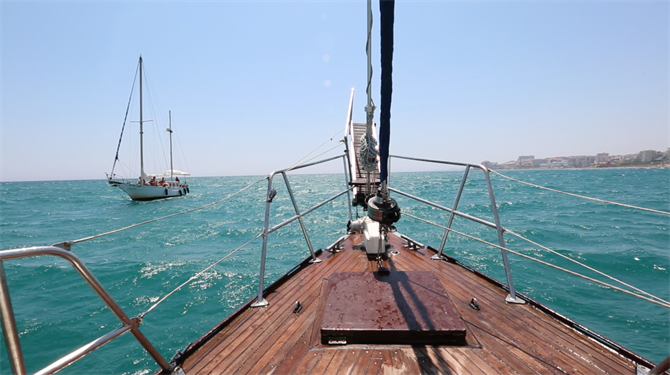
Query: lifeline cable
pixel 140 316
pixel 165 217
pixel 581 264
pixel 309 153
pixel 310 159
pixel 581 196
pixel 655 300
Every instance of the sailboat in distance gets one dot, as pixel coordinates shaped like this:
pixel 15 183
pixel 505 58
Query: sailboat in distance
pixel 149 186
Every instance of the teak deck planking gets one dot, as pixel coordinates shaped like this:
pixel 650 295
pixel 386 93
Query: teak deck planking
pixel 502 338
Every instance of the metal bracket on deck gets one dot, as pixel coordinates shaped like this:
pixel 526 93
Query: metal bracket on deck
pixel 516 300
pixel 641 369
pixel 335 249
pixel 438 256
pixel 315 260
pixel 411 244
pixel 262 303
pixel 337 245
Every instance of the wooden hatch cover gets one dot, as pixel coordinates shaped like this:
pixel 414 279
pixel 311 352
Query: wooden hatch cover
pixel 393 308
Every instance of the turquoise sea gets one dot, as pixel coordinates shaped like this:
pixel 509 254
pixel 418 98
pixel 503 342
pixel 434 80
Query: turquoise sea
pixel 57 312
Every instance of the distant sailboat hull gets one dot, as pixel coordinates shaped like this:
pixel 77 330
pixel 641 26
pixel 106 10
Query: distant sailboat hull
pixel 148 193
pixel 156 189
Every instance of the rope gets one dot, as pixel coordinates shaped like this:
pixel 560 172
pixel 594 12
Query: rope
pixel 370 106
pixel 581 264
pixel 367 154
pixel 118 146
pixel 196 276
pixel 582 196
pixel 168 216
pixel 312 158
pixel 655 300
pixel 309 153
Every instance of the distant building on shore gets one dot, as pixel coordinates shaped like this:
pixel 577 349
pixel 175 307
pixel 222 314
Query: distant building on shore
pixel 582 161
pixel 602 157
pixel 525 161
pixel 600 160
pixel 647 156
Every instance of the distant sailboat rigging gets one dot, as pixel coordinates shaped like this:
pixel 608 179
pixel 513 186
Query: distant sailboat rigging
pixel 147 187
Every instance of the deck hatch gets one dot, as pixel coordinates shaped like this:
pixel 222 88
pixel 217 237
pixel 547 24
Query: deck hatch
pixel 395 308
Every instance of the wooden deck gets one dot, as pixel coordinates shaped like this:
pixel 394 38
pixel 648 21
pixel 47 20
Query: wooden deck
pixel 501 338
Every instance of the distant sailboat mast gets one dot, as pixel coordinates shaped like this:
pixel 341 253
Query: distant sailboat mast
pixel 169 130
pixel 142 174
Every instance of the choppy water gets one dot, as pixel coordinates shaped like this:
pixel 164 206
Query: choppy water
pixel 57 312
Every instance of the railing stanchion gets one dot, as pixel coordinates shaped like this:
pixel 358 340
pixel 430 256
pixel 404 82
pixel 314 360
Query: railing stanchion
pixel 260 301
pixel 348 177
pixel 302 224
pixel 9 327
pixel 346 181
pixel 452 214
pixel 512 298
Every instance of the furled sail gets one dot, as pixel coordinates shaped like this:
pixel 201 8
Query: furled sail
pixel 387 9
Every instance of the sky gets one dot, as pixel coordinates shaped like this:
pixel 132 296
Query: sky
pixel 255 86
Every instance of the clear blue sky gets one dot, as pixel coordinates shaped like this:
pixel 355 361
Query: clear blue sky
pixel 253 86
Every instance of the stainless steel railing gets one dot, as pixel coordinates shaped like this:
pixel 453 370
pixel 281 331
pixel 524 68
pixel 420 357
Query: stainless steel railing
pixel 131 324
pixel 453 212
pixel 9 323
pixel 260 300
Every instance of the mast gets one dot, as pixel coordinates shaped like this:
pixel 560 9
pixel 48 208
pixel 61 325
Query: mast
pixel 141 129
pixel 382 208
pixel 169 130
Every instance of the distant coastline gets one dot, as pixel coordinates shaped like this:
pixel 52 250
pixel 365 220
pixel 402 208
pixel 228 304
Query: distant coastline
pixel 642 159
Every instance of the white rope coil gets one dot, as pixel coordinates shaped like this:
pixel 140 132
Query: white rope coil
pixel 368 153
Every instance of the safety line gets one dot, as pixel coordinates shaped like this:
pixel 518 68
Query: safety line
pixel 656 300
pixel 581 264
pixel 309 153
pixel 312 158
pixel 168 216
pixel 196 276
pixel 582 196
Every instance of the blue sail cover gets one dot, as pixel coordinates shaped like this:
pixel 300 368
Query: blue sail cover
pixel 387 9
